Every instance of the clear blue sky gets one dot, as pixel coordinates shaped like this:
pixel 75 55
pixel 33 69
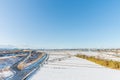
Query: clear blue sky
pixel 60 23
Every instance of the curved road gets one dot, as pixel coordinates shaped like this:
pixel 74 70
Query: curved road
pixel 24 73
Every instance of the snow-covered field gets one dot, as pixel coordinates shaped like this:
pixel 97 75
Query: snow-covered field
pixel 73 68
pixel 103 55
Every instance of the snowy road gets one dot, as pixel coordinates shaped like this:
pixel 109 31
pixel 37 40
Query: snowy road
pixel 75 69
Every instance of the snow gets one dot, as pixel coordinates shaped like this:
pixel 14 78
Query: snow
pixel 5 74
pixel 103 55
pixel 73 68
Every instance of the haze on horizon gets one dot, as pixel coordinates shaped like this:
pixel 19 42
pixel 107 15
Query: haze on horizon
pixel 60 23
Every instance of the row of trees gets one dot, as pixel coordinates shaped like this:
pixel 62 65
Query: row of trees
pixel 103 62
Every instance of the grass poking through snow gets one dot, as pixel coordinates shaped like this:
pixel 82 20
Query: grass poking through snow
pixel 103 62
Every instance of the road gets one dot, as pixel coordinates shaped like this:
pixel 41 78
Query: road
pixel 25 73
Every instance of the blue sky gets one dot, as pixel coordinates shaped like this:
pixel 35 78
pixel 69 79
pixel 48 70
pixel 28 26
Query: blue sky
pixel 60 23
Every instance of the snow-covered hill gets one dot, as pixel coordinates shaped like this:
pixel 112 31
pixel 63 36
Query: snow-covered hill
pixel 64 67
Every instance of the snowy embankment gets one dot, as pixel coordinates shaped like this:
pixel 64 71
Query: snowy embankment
pixel 73 68
pixel 103 55
pixel 5 74
pixel 5 64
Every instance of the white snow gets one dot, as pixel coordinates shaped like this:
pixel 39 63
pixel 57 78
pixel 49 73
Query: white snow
pixel 74 69
pixel 5 74
pixel 103 55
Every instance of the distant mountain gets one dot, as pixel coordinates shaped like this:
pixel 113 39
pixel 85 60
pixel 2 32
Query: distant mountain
pixel 7 47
